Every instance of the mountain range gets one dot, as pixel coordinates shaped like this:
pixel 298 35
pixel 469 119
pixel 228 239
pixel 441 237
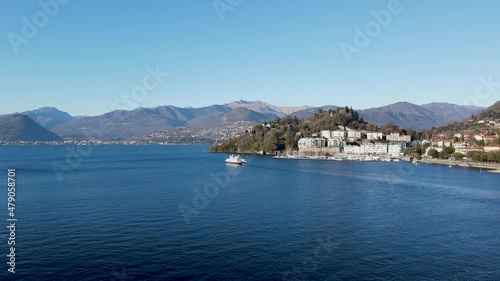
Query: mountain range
pixel 426 116
pixel 124 124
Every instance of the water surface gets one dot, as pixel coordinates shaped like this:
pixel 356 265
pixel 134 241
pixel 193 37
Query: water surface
pixel 115 216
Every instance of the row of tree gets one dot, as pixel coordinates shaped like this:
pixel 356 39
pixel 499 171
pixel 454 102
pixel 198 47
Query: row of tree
pixel 481 156
pixel 477 156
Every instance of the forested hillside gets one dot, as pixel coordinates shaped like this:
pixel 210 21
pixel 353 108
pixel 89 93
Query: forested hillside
pixel 283 133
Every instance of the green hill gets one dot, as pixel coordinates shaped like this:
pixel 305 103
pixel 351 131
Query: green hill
pixel 492 112
pixel 283 133
pixel 471 125
pixel 19 127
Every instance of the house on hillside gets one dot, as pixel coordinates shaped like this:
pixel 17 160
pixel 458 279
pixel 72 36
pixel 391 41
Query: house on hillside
pixel 353 136
pixel 374 136
pixel 489 139
pixel 398 137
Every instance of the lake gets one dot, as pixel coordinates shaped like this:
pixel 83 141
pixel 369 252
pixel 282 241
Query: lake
pixel 180 213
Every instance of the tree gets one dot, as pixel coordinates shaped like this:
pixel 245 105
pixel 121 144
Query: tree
pixel 432 153
pixel 457 155
pixel 417 149
pixel 446 152
pixel 425 146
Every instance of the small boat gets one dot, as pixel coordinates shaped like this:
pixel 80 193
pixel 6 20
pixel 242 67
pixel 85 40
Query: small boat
pixel 449 166
pixel 236 160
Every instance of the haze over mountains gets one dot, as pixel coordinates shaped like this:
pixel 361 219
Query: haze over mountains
pixel 124 124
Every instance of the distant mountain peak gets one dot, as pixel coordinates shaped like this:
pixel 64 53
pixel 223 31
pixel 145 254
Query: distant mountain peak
pixel 49 117
pixel 45 109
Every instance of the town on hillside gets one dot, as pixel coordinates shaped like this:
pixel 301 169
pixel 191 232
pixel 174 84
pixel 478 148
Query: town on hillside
pixel 353 142
pixel 343 134
pixel 481 147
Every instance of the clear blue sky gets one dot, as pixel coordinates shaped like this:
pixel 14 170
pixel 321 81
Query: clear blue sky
pixel 283 52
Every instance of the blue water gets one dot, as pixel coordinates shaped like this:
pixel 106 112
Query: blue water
pixel 114 215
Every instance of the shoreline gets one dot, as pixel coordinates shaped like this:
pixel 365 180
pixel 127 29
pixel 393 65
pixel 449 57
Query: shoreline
pixel 492 168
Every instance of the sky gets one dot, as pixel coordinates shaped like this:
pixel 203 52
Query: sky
pixel 90 57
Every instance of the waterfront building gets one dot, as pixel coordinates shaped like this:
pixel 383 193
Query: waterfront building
pixel 311 143
pixel 317 147
pixel 335 142
pixel 394 149
pixel 374 149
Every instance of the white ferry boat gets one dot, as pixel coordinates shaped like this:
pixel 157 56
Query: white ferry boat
pixel 236 160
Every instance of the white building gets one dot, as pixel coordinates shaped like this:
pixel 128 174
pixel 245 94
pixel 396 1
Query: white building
pixel 374 136
pixel 352 149
pixel 354 135
pixel 438 149
pixel 394 149
pixel 335 142
pixel 311 142
pixel 397 137
pixel 374 148
pixel 339 134
pixel 326 134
